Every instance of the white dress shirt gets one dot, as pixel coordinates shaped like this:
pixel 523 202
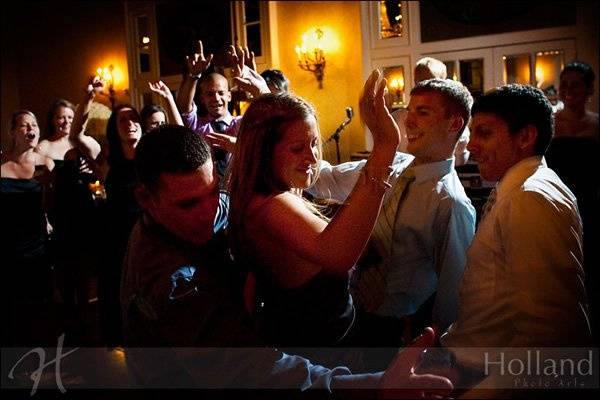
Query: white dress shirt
pixel 523 281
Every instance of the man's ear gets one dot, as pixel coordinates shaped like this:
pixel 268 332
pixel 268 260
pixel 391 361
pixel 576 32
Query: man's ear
pixel 527 139
pixel 144 197
pixel 456 124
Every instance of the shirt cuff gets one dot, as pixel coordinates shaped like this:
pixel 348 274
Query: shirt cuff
pixel 193 111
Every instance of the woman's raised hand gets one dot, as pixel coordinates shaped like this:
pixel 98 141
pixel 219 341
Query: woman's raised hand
pixel 375 113
pixel 94 86
pixel 160 88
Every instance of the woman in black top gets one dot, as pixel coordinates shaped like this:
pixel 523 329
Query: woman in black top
pixel 73 212
pixel 27 283
pixel 123 133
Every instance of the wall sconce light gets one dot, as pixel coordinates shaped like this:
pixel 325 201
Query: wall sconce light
pixel 311 56
pixel 107 75
pixel 397 88
pixel 145 42
pixel 539 76
pixel 547 67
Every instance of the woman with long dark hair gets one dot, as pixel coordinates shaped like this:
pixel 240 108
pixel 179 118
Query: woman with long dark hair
pixel 123 133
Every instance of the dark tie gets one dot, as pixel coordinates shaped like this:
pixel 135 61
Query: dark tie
pixel 220 155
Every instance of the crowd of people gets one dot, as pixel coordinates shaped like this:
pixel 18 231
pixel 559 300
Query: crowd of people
pixel 209 236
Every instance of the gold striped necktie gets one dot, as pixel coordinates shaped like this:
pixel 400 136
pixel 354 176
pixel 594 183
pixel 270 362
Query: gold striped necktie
pixel 368 283
pixel 384 227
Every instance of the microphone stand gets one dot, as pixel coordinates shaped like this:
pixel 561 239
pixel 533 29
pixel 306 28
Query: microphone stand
pixel 336 135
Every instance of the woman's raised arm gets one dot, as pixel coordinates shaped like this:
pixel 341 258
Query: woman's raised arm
pixel 337 245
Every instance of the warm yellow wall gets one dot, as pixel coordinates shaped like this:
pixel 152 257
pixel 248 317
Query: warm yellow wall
pixel 343 73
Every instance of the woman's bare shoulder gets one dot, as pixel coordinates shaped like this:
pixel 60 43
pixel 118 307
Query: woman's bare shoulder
pixel 8 167
pixel 43 147
pixel 276 204
pixel 53 148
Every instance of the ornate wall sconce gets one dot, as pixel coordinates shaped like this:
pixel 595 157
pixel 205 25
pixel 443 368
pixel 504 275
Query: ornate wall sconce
pixel 311 56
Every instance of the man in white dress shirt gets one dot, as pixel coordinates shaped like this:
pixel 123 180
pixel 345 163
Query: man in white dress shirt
pixel 523 280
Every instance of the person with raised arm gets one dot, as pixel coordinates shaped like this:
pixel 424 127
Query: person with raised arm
pixel 410 273
pixel 219 127
pixel 299 258
pixel 154 115
pixel 72 210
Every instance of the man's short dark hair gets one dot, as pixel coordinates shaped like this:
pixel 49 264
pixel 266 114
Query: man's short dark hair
pixel 519 106
pixel 169 148
pixel 584 69
pixel 456 97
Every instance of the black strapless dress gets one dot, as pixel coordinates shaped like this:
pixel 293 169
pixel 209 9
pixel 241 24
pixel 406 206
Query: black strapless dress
pixel 77 222
pixel 313 320
pixel 318 313
pixel 75 215
pixel 26 271
pixel 23 219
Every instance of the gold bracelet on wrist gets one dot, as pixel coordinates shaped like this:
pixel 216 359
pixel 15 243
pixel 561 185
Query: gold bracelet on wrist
pixel 376 178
